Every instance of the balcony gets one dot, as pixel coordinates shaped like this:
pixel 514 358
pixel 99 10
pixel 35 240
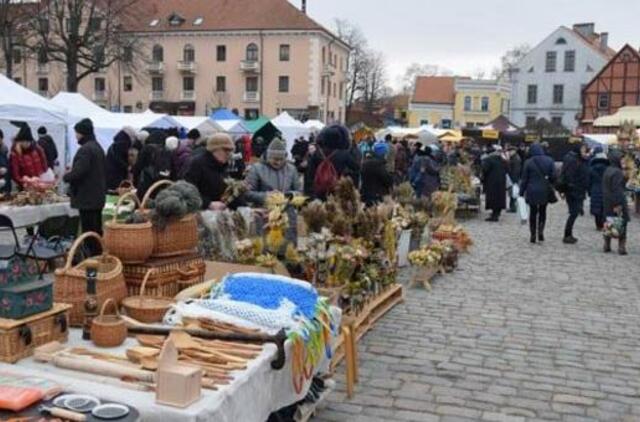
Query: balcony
pixel 156 95
pixel 188 95
pixel 327 71
pixel 156 68
pixel 100 96
pixel 250 66
pixel 187 67
pixel 43 68
pixel 252 97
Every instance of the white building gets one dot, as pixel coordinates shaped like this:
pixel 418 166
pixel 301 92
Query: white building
pixel 547 83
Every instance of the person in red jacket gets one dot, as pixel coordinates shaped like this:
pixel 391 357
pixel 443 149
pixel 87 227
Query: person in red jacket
pixel 27 158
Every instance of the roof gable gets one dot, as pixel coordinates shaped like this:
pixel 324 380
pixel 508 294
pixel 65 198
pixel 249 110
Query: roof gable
pixel 434 90
pixel 626 49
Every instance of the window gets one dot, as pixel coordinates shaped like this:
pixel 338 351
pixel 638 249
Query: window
pixel 251 84
pixel 251 113
pixel 99 84
pixel 127 84
pixel 42 56
pixel 570 61
pixel 324 55
pixel 252 53
pixel 157 54
pixel 221 53
pixel 43 85
pixel 467 103
pixel 531 121
pixel 188 54
pixel 335 88
pixel 283 84
pixel 17 56
pixel 127 109
pixel 556 121
pixel 341 93
pixel 424 122
pixel 95 24
pixel 550 63
pixel 188 83
pixel 127 54
pixel 532 94
pixel 221 84
pixel 322 87
pixel 484 106
pixel 561 41
pixel 157 84
pixel 558 94
pixel 603 101
pixel 445 123
pixel 285 50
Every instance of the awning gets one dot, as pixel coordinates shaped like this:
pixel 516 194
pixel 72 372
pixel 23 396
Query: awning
pixel 629 114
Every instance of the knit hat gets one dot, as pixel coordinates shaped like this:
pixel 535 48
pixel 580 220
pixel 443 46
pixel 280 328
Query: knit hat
pixel 24 133
pixel 277 149
pixel 142 136
pixel 334 137
pixel 220 141
pixel 194 134
pixel 172 143
pixel 42 130
pixel 84 127
pixel 381 149
pixel 131 133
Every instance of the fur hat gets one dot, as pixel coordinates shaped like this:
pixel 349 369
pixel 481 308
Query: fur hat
pixel 172 143
pixel 220 141
pixel 277 149
pixel 84 127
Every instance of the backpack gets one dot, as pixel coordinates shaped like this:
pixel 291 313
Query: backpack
pixel 326 177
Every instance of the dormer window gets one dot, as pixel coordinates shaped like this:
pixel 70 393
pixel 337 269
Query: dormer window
pixel 198 21
pixel 176 20
pixel 561 41
pixel 154 22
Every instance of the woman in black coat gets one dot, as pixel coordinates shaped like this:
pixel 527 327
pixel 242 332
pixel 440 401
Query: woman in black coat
pixel 615 200
pixel 494 178
pixel 377 182
pixel 538 177
pixel 117 161
pixel 597 166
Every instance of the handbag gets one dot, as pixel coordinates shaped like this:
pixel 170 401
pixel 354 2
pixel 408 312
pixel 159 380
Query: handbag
pixel 552 198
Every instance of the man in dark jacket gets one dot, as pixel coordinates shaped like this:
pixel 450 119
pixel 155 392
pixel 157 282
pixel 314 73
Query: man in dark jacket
pixel 515 171
pixel 614 199
pixel 87 181
pixel 208 171
pixel 494 178
pixel 574 180
pixel 48 146
pixel 117 160
pixel 597 166
pixel 377 182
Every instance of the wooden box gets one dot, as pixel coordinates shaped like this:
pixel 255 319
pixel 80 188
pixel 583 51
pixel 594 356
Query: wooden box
pixel 23 300
pixel 19 338
pixel 176 384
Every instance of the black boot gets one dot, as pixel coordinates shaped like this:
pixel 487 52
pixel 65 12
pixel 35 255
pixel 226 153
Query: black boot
pixel 541 232
pixel 607 244
pixel 622 246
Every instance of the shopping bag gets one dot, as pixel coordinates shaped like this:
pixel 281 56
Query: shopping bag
pixel 515 191
pixel 523 210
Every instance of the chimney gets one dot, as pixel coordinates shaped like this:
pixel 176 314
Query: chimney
pixel 304 6
pixel 604 41
pixel 587 30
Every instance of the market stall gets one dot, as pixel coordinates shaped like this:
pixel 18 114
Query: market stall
pixel 205 125
pixel 290 128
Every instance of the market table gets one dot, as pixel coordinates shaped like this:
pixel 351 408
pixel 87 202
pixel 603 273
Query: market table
pixel 255 392
pixel 32 215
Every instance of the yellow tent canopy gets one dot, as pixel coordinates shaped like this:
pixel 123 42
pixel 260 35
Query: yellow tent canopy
pixel 629 113
pixel 453 136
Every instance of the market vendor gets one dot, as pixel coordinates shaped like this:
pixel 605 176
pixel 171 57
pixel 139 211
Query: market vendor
pixel 87 181
pixel 27 158
pixel 273 173
pixel 208 171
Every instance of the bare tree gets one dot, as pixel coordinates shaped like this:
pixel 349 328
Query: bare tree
pixel 511 58
pixel 353 36
pixel 373 79
pixel 11 17
pixel 86 36
pixel 408 80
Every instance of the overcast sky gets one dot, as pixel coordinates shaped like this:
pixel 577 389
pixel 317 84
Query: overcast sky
pixel 464 35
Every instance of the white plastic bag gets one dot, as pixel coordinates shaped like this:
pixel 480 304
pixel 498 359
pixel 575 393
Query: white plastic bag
pixel 515 191
pixel 523 210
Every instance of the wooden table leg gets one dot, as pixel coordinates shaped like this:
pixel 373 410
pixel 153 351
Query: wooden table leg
pixel 354 349
pixel 348 357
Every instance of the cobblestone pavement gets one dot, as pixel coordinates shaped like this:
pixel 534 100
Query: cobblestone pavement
pixel 519 332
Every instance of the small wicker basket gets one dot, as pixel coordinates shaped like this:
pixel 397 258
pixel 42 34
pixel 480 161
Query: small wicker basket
pixel 132 243
pixel 188 277
pixel 147 309
pixel 108 330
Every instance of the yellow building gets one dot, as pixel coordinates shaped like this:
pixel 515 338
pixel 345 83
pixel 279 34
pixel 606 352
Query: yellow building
pixel 479 101
pixel 432 102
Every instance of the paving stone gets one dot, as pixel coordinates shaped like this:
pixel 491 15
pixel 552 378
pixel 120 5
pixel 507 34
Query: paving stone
pixel 567 398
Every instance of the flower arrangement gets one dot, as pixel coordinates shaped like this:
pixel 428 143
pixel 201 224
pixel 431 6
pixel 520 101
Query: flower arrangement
pixel 235 190
pixel 445 204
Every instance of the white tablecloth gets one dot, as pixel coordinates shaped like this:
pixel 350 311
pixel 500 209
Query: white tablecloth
pixel 252 396
pixel 31 215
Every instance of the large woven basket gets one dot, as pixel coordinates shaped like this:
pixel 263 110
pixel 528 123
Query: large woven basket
pixel 132 243
pixel 108 330
pixel 165 280
pixel 70 284
pixel 179 237
pixel 147 309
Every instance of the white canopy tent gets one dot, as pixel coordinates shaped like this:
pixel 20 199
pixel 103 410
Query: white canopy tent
pixel 629 113
pixel 106 123
pixel 314 125
pixel 17 103
pixel 205 125
pixel 233 127
pixel 290 128
pixel 425 134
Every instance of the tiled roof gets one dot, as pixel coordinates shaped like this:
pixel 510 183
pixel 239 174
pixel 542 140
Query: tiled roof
pixel 594 41
pixel 434 90
pixel 219 15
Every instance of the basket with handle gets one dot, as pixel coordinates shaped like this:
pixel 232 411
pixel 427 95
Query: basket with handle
pixel 70 284
pixel 108 330
pixel 190 275
pixel 147 309
pixel 180 236
pixel 132 243
pixel 126 186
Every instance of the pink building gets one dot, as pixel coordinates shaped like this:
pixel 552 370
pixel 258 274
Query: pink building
pixel 254 57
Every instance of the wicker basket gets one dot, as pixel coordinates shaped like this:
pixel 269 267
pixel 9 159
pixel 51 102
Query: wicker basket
pixel 179 237
pixel 147 309
pixel 165 280
pixel 189 276
pixel 132 243
pixel 70 284
pixel 125 187
pixel 108 330
pixel 456 239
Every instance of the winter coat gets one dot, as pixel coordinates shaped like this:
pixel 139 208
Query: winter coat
pixel 391 158
pixel 299 151
pixel 597 167
pixel 30 162
pixel 117 160
pixel 180 160
pixel 494 178
pixel 208 175
pixel 50 150
pixel 537 175
pixel 613 190
pixel 157 166
pixel 377 182
pixel 262 178
pixel 87 180
pixel 4 164
pixel 402 159
pixel 424 175
pixel 575 176
pixel 344 161
pixel 515 168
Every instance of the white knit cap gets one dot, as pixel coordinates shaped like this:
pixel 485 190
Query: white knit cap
pixel 172 143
